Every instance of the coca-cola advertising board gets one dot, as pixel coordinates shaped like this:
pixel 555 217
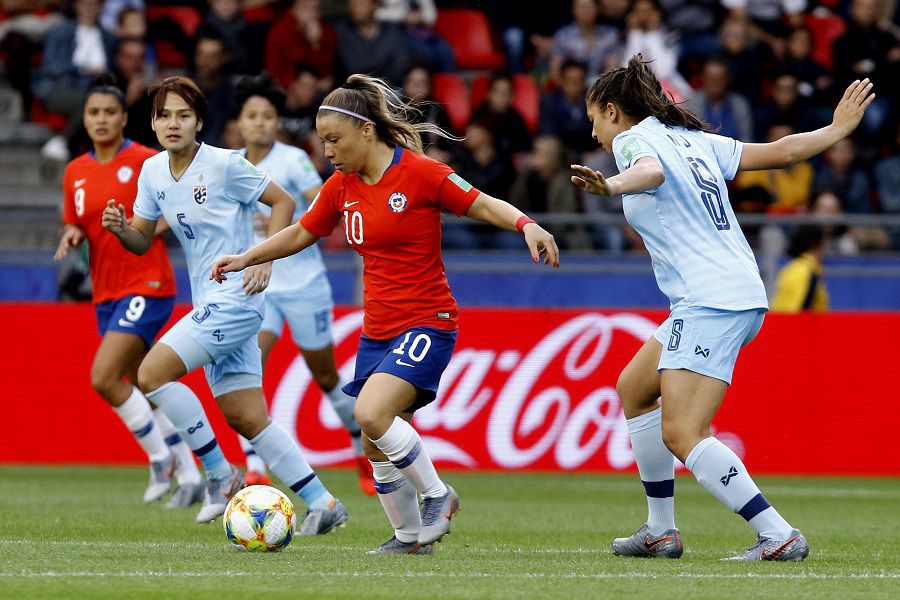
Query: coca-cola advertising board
pixel 526 389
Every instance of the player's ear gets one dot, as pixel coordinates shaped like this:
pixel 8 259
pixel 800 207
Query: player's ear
pixel 199 125
pixel 369 129
pixel 612 112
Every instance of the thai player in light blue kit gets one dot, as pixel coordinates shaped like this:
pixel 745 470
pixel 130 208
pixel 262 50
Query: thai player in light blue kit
pixel 298 290
pixel 208 195
pixel 672 178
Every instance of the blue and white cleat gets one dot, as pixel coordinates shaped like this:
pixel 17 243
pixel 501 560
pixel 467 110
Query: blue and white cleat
pixel 436 515
pixel 186 494
pixel 395 546
pixel 793 549
pixel 645 545
pixel 161 473
pixel 218 493
pixel 318 522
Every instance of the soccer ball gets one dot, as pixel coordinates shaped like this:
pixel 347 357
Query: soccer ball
pixel 259 518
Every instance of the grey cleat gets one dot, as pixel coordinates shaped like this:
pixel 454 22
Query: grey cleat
pixel 644 544
pixel 318 522
pixel 793 549
pixel 217 494
pixel 436 515
pixel 186 494
pixel 160 479
pixel 395 546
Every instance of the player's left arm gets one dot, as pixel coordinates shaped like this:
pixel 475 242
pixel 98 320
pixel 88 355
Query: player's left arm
pixel 256 277
pixel 645 174
pixel 504 215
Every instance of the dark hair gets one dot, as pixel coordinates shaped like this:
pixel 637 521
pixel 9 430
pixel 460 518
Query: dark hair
pixel 571 63
pixel 804 239
pixel 501 77
pixel 260 85
pixel 105 83
pixel 180 86
pixel 394 119
pixel 638 93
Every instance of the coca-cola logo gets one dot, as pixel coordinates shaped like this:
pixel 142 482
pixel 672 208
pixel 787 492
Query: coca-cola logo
pixel 507 400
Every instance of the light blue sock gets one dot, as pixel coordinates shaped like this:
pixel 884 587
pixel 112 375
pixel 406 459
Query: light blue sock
pixel 183 408
pixel 343 404
pixel 275 446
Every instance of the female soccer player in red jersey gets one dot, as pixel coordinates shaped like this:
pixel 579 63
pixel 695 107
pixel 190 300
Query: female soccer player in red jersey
pixel 133 295
pixel 390 198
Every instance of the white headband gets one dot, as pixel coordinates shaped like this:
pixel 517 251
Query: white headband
pixel 346 112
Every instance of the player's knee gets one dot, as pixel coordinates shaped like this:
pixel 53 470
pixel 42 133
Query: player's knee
pixel 247 423
pixel 327 380
pixel 677 439
pixel 104 382
pixel 148 379
pixel 371 419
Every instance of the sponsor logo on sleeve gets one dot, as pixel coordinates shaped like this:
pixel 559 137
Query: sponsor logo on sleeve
pixel 460 182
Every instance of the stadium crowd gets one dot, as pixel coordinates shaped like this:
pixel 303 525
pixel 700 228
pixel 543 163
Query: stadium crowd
pixel 507 76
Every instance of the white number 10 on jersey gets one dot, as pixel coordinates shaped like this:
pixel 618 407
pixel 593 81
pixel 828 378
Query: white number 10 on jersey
pixel 353 227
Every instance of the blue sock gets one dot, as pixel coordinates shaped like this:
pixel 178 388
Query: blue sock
pixel 183 408
pixel 275 446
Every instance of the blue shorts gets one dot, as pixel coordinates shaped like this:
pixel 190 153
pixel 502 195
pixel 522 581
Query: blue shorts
pixel 418 355
pixel 308 313
pixel 138 315
pixel 707 340
pixel 223 340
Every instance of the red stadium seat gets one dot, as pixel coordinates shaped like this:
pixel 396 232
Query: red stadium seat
pixel 40 114
pixel 450 90
pixel 469 34
pixel 187 18
pixel 526 97
pixel 825 30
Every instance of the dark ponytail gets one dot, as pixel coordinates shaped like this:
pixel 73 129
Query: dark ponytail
pixel 638 93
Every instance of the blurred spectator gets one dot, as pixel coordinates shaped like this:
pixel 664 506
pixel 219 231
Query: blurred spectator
pixel 775 190
pixel 416 18
pixel 785 106
pixel 131 24
pixel 132 77
pixel 604 237
pixel 696 22
pixel 841 175
pixel 231 134
pixel 543 186
pixel 646 34
pixel 300 106
pixel 507 125
pixel 563 113
pixel 212 76
pixel 814 80
pixel 614 13
pixel 478 161
pixel 77 50
pixel 417 87
pixel 301 38
pixel 769 19
pixel 365 45
pixel 225 20
pixel 112 10
pixel 526 29
pixel 22 34
pixel 848 240
pixel 800 286
pixel 739 49
pixel 887 176
pixel 727 112
pixel 585 41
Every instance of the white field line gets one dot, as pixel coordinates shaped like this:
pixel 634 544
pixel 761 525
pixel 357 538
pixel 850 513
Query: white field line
pixel 460 575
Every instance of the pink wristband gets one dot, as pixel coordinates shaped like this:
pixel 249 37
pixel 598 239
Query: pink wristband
pixel 522 222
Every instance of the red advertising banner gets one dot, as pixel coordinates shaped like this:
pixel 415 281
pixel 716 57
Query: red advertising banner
pixel 526 389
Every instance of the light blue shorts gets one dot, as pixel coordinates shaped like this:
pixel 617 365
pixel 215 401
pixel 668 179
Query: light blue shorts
pixel 308 313
pixel 223 340
pixel 707 340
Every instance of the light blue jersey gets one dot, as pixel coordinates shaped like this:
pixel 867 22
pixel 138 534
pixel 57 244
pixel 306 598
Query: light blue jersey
pixel 210 211
pixel 699 254
pixel 291 168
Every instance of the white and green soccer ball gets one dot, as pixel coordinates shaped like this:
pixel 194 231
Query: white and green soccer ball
pixel 260 518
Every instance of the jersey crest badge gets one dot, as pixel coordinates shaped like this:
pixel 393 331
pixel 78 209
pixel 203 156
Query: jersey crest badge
pixel 199 194
pixel 124 174
pixel 397 202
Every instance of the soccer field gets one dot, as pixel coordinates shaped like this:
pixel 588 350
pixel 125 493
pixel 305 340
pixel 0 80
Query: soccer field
pixel 83 533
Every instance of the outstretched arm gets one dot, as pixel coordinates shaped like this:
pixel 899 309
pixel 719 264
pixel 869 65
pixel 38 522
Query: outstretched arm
pixel 792 149
pixel 136 237
pixel 257 276
pixel 289 240
pixel 506 216
pixel 645 174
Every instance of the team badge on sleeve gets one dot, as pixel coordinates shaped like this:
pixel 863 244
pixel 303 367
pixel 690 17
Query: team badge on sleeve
pixel 199 194
pixel 124 174
pixel 397 202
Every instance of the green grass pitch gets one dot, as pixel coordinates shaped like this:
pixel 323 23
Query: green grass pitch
pixel 83 533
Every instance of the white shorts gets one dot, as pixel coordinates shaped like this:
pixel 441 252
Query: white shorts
pixel 707 340
pixel 223 340
pixel 307 311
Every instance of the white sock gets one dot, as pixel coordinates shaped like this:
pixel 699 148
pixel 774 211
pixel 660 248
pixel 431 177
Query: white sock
pixel 722 474
pixel 138 417
pixel 403 446
pixel 657 468
pixel 398 498
pixel 186 471
pixel 254 462
pixel 343 405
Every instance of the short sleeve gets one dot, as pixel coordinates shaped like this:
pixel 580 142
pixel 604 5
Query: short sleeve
pixel 727 152
pixel 305 173
pixel 245 183
pixel 322 216
pixel 455 193
pixel 69 215
pixel 145 205
pixel 628 147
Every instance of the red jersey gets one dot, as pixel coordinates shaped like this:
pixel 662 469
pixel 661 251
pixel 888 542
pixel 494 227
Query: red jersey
pixel 395 225
pixel 115 272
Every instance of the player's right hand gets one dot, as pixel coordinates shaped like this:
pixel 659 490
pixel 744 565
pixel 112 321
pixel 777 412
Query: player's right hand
pixel 114 218
pixel 227 264
pixel 71 237
pixel 849 111
pixel 591 181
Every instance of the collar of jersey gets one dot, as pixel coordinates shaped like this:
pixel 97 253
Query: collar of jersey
pixel 398 154
pixel 124 145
